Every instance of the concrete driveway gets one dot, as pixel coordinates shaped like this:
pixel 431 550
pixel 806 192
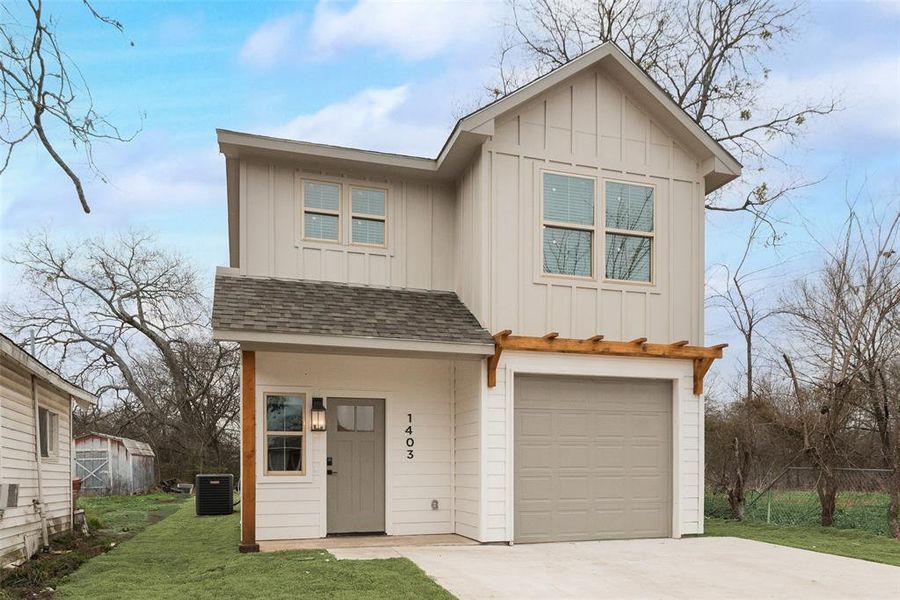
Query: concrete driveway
pixel 690 568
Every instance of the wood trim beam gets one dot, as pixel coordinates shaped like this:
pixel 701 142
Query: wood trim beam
pixel 702 356
pixel 248 452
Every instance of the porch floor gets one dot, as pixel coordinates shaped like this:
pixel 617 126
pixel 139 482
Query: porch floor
pixel 367 541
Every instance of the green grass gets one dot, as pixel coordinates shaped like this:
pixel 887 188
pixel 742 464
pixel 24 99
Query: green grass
pixel 865 511
pixel 111 520
pixel 115 515
pixel 843 542
pixel 197 557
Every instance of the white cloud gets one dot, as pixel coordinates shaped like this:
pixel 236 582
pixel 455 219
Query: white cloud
pixel 374 119
pixel 414 30
pixel 273 42
pixel 867 91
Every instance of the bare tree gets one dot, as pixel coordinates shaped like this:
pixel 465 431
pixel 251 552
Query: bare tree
pixel 44 95
pixel 708 55
pixel 840 321
pixel 747 313
pixel 130 321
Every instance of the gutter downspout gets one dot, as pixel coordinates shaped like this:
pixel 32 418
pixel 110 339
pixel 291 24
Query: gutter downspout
pixel 39 503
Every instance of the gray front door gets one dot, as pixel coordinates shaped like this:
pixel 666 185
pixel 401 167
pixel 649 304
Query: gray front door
pixel 355 465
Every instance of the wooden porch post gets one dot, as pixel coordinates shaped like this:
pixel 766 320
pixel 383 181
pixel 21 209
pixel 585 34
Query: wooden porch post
pixel 248 452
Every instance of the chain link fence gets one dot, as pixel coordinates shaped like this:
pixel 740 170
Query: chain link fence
pixel 790 499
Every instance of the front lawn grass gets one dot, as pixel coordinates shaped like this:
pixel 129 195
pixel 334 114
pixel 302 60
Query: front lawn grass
pixel 186 556
pixel 843 542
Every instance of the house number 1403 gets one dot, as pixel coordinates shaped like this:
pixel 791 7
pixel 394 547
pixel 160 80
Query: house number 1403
pixel 410 442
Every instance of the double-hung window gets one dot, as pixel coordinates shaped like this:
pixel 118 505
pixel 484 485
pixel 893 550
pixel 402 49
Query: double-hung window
pixel 367 216
pixel 629 231
pixel 568 225
pixel 321 211
pixel 48 429
pixel 284 434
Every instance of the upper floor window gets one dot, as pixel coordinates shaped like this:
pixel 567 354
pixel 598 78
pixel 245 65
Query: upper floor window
pixel 629 231
pixel 48 430
pixel 367 206
pixel 321 210
pixel 568 225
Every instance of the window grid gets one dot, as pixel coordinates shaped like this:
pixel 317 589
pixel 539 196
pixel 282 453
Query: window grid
pixel 637 233
pixel 368 217
pixel 283 435
pixel 556 226
pixel 320 210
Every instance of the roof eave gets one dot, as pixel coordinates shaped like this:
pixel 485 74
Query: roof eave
pixel 356 344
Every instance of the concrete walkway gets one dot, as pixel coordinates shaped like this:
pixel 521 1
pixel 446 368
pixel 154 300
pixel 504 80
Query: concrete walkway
pixel 693 568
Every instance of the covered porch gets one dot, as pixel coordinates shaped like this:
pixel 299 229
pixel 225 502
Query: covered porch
pixel 359 409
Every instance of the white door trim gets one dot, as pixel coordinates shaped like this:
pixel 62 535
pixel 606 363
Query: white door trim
pixel 679 372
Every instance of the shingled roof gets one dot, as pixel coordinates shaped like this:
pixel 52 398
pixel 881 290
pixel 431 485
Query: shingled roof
pixel 304 307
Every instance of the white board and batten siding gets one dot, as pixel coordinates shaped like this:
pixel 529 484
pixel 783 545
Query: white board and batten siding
pixel 588 126
pixel 419 233
pixel 20 527
pixel 294 507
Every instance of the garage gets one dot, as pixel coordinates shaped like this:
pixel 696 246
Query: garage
pixel 592 458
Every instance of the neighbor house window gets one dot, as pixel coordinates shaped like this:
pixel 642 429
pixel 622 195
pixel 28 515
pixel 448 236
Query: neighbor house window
pixel 284 434
pixel 368 215
pixel 629 231
pixel 568 225
pixel 48 429
pixel 321 210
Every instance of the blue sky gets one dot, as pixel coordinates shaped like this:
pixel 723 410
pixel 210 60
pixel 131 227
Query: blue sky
pixel 393 76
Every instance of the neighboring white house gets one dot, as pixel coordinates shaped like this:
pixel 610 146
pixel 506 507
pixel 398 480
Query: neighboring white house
pixel 505 342
pixel 35 451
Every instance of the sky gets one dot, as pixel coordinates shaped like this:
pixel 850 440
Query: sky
pixel 394 77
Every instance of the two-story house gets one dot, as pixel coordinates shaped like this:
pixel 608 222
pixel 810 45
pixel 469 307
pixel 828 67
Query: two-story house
pixel 505 342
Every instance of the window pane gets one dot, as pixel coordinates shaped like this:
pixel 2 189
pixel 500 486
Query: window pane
pixel 365 418
pixel 285 452
pixel 628 257
pixel 568 199
pixel 567 251
pixel 369 202
pixel 322 227
pixel 321 195
pixel 345 417
pixel 368 231
pixel 629 206
pixel 43 422
pixel 284 413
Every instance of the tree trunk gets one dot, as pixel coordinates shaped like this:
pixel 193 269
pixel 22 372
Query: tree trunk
pixel 827 490
pixel 736 487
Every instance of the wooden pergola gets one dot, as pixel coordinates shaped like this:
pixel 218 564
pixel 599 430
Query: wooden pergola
pixel 702 356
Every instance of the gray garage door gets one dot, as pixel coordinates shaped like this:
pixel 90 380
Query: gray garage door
pixel 592 458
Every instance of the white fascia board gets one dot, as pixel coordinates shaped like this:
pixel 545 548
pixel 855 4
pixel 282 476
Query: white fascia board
pixel 315 342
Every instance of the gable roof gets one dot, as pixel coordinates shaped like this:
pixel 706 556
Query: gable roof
pixel 133 446
pixel 319 311
pixel 719 166
pixel 27 361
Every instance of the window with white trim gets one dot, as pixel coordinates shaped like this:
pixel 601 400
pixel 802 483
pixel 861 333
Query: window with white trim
pixel 629 231
pixel 284 433
pixel 367 215
pixel 48 430
pixel 321 211
pixel 568 225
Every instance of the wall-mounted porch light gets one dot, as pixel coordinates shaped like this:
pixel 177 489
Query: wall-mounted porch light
pixel 317 414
